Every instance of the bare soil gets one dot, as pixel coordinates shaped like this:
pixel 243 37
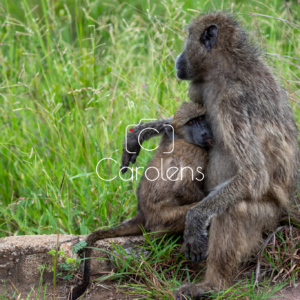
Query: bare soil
pixel 289 293
pixel 106 290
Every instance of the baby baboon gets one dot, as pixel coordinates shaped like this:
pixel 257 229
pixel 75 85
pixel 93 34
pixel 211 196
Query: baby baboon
pixel 171 184
pixel 253 165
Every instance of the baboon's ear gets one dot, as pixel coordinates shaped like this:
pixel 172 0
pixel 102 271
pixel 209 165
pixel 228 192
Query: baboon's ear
pixel 209 36
pixel 169 130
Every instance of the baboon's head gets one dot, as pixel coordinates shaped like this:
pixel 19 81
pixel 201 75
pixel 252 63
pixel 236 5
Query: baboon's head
pixel 212 40
pixel 190 124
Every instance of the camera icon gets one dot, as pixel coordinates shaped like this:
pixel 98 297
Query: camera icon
pixel 130 128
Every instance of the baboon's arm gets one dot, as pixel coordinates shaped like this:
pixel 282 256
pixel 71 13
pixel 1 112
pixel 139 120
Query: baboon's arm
pixel 133 140
pixel 250 180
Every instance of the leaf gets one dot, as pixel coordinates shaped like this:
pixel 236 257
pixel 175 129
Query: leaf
pixel 81 175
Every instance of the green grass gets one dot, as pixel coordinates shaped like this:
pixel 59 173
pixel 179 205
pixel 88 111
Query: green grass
pixel 75 73
pixel 157 268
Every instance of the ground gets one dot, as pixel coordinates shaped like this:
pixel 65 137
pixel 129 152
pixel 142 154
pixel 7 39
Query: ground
pixel 107 290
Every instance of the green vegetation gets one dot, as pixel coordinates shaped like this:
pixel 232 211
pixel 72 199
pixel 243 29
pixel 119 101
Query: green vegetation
pixel 69 265
pixel 75 73
pixel 157 268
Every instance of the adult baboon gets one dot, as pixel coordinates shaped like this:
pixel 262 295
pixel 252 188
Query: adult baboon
pixel 253 164
pixel 164 194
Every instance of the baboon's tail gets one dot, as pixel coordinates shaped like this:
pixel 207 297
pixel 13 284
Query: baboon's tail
pixel 126 228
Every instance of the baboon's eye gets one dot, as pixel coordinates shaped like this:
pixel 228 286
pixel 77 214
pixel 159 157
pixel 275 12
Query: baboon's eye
pixel 190 123
pixel 200 118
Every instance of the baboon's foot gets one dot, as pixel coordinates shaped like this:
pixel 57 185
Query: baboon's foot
pixel 192 291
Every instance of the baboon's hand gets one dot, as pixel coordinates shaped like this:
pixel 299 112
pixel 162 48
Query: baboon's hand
pixel 131 149
pixel 195 236
pixel 195 248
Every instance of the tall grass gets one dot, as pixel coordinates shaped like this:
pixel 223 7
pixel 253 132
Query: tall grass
pixel 75 74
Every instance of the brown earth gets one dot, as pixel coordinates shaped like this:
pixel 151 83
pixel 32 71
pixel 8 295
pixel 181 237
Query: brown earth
pixel 289 293
pixel 106 290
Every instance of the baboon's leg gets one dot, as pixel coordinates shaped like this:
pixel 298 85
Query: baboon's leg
pixel 233 236
pixel 168 219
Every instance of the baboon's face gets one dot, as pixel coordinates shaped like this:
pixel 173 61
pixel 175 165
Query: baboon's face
pixel 197 131
pixel 211 44
pixel 196 55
